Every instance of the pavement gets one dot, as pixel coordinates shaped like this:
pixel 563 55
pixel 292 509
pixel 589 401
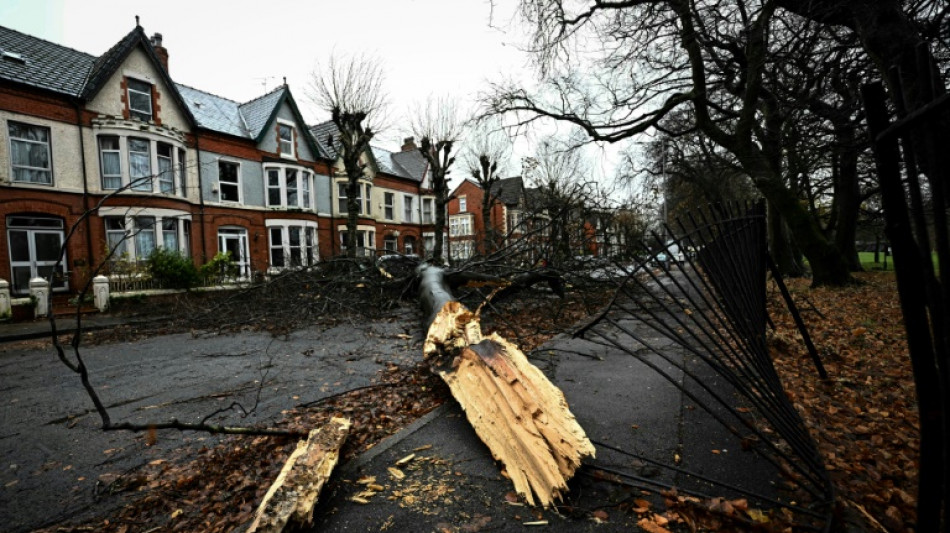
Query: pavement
pixel 638 420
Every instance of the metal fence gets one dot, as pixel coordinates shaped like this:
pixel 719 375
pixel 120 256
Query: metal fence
pixel 695 314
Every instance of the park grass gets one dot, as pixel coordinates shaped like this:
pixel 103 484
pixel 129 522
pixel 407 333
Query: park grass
pixel 867 261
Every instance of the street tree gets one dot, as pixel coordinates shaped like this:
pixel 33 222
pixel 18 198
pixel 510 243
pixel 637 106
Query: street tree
pixel 486 158
pixel 439 125
pixel 351 90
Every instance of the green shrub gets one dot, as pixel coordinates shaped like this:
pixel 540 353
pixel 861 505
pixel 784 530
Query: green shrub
pixel 172 269
pixel 219 267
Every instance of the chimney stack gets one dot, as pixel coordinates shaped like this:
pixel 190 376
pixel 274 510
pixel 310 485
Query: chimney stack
pixel 409 144
pixel 160 50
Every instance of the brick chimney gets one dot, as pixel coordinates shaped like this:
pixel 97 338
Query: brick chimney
pixel 409 144
pixel 160 50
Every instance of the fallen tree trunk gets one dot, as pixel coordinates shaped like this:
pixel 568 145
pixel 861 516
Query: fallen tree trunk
pixel 515 410
pixel 293 494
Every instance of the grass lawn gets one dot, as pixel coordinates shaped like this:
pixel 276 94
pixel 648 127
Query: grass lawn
pixel 867 261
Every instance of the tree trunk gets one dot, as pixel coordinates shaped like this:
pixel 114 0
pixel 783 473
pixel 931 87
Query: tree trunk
pixel 352 214
pixel 781 248
pixel 520 415
pixel 292 496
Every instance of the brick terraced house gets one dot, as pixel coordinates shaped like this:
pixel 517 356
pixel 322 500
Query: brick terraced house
pixel 111 149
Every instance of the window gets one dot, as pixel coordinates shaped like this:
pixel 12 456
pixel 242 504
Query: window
pixel 391 243
pixel 460 225
pixel 409 243
pixel 515 219
pixel 285 136
pixel 143 230
pixel 364 193
pixel 229 181
pixel 462 250
pixel 141 172
pixel 181 173
pixel 166 169
pixel 407 208
pixel 365 242
pixel 137 236
pixel 35 245
pixel 140 164
pixel 463 204
pixel 289 187
pixel 140 99
pixel 30 154
pixel 389 206
pixel 109 162
pixel 292 244
pixel 427 210
pixel 306 178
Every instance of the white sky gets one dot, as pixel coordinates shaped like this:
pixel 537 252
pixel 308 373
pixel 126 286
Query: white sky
pixel 240 49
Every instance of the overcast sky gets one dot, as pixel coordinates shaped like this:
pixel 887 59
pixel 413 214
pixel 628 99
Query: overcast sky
pixel 240 49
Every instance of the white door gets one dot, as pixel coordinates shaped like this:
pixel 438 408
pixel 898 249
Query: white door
pixel 234 240
pixel 35 244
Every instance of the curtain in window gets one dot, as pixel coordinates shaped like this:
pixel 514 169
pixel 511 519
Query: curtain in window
pixel 144 236
pixel 140 164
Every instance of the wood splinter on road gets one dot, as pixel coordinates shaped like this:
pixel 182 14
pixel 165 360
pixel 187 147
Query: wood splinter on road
pixel 292 496
pixel 515 410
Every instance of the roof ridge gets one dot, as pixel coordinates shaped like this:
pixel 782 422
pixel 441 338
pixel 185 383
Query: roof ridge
pixel 209 93
pixel 49 42
pixel 261 97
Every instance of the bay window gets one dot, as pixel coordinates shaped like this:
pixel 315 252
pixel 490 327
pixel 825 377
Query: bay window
pixel 292 243
pixel 147 158
pixel 288 187
pixel 133 233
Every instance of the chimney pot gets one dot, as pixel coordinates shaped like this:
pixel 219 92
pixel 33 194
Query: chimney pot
pixel 409 144
pixel 160 50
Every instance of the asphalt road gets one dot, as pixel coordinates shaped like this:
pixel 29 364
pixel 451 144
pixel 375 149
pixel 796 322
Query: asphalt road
pixel 54 452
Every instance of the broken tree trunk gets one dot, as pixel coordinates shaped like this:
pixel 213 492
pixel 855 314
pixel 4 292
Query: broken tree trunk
pixel 515 410
pixel 293 494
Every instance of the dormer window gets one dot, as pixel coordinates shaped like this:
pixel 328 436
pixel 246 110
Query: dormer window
pixel 140 99
pixel 285 134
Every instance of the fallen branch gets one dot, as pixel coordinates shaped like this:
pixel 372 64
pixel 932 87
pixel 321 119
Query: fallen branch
pixel 292 496
pixel 515 410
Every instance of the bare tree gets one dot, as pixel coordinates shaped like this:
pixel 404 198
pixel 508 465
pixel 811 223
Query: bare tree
pixel 438 125
pixel 351 90
pixel 486 157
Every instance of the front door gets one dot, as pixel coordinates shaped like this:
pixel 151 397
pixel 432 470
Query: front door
pixel 234 240
pixel 35 245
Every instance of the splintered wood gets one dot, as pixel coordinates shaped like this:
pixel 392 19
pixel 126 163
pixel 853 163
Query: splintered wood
pixel 515 410
pixel 295 491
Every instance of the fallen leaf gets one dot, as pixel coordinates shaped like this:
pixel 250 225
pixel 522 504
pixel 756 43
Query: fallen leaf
pixel 396 473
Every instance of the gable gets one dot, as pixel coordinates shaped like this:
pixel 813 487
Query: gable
pixel 110 99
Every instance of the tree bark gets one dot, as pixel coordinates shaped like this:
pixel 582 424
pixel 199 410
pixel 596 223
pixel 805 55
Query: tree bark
pixel 515 410
pixel 292 496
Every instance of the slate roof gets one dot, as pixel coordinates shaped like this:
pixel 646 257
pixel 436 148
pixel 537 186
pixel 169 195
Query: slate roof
pixel 509 190
pixel 214 112
pixel 258 111
pixel 44 65
pixel 409 164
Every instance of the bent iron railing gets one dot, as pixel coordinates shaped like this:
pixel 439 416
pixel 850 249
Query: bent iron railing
pixel 700 323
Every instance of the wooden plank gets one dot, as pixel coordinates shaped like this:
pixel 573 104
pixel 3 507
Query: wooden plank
pixel 292 496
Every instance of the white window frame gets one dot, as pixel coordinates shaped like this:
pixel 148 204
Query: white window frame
pixel 407 208
pixel 367 233
pixel 153 184
pixel 301 174
pixel 364 193
pixel 236 184
pixel 463 204
pixel 127 250
pixel 428 217
pixel 117 152
pixel 391 240
pixel 166 177
pixel 287 147
pixel 389 205
pixel 309 252
pixel 133 112
pixel 48 144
